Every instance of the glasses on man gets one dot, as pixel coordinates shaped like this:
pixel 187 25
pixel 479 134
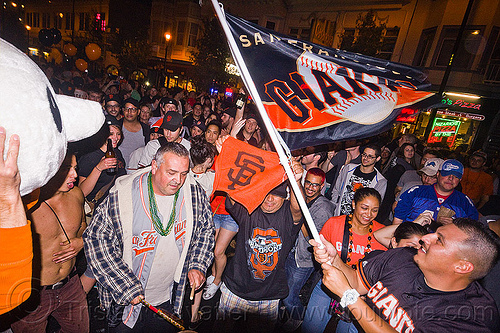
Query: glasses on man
pixel 314 185
pixel 131 109
pixel 368 156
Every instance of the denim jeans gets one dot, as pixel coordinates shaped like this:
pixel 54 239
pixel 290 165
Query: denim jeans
pixel 317 316
pixel 296 277
pixel 68 305
pixel 345 327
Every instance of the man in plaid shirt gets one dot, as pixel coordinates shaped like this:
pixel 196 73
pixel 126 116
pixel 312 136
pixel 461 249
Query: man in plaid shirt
pixel 152 234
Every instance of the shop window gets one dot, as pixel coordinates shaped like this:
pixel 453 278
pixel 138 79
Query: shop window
pixel 424 46
pixel 193 34
pixel 469 46
pixel 45 20
pixel 181 30
pixel 270 25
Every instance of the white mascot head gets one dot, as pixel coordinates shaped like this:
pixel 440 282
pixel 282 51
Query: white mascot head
pixel 44 121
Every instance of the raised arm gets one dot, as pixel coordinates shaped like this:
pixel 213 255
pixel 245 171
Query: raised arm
pixel 11 206
pixel 16 245
pixel 87 184
pixel 294 204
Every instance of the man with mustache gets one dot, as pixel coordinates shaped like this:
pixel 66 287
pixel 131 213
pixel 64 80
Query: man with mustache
pixel 149 238
pixel 433 289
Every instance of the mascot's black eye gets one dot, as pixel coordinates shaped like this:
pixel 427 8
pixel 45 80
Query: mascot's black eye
pixel 55 110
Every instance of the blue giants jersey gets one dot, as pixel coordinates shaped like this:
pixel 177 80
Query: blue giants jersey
pixel 423 197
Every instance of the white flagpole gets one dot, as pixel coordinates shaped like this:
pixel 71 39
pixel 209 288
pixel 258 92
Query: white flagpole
pixel 273 133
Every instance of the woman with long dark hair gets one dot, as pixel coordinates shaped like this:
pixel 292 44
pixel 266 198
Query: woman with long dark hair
pixel 353 237
pixel 405 161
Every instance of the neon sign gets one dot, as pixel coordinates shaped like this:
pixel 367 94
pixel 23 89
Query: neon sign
pixel 407 115
pixel 444 130
pixel 461 104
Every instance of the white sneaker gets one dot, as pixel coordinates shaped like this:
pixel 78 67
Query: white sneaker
pixel 210 289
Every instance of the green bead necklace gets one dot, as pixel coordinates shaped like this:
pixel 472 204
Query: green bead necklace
pixel 153 208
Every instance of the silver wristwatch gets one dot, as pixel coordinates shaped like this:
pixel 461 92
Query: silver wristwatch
pixel 349 297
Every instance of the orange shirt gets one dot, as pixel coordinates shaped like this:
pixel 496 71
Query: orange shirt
pixel 16 254
pixel 476 184
pixel 218 203
pixel 218 200
pixel 333 231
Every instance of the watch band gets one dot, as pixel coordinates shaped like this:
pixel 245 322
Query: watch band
pixel 349 297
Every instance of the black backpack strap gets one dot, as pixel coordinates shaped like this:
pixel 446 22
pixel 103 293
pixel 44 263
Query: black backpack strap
pixel 345 240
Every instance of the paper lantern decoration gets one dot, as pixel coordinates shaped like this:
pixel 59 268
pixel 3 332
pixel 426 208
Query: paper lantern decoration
pixel 46 37
pixel 81 64
pixel 93 51
pixel 70 49
pixel 56 35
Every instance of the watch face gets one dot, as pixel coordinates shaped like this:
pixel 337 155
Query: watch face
pixel 350 297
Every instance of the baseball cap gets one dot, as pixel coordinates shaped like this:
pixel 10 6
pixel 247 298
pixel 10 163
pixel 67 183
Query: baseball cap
pixel 200 124
pixel 251 116
pixel 172 121
pixel 132 101
pixel 156 129
pixel 230 111
pixel 113 97
pixel 280 190
pixel 481 153
pixel 112 121
pixel 168 100
pixel 452 167
pixel 432 166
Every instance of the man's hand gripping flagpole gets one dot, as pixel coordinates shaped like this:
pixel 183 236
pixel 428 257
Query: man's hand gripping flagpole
pixel 278 143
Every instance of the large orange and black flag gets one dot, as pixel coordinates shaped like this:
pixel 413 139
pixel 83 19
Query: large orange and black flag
pixel 247 173
pixel 314 94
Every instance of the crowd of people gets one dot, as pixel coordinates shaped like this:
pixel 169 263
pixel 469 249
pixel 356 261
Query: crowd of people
pixel 409 232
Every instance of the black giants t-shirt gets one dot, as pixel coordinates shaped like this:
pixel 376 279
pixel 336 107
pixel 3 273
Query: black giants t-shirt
pixel 398 293
pixel 257 270
pixel 357 180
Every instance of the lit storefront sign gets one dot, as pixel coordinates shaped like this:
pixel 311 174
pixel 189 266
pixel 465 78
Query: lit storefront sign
pixel 472 116
pixel 461 102
pixel 444 130
pixel 407 115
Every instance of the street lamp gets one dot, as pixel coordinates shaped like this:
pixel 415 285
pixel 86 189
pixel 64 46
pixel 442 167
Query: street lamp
pixel 168 36
pixel 28 28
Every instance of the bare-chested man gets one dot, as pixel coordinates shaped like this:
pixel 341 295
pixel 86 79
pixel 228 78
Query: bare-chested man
pixel 58 222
